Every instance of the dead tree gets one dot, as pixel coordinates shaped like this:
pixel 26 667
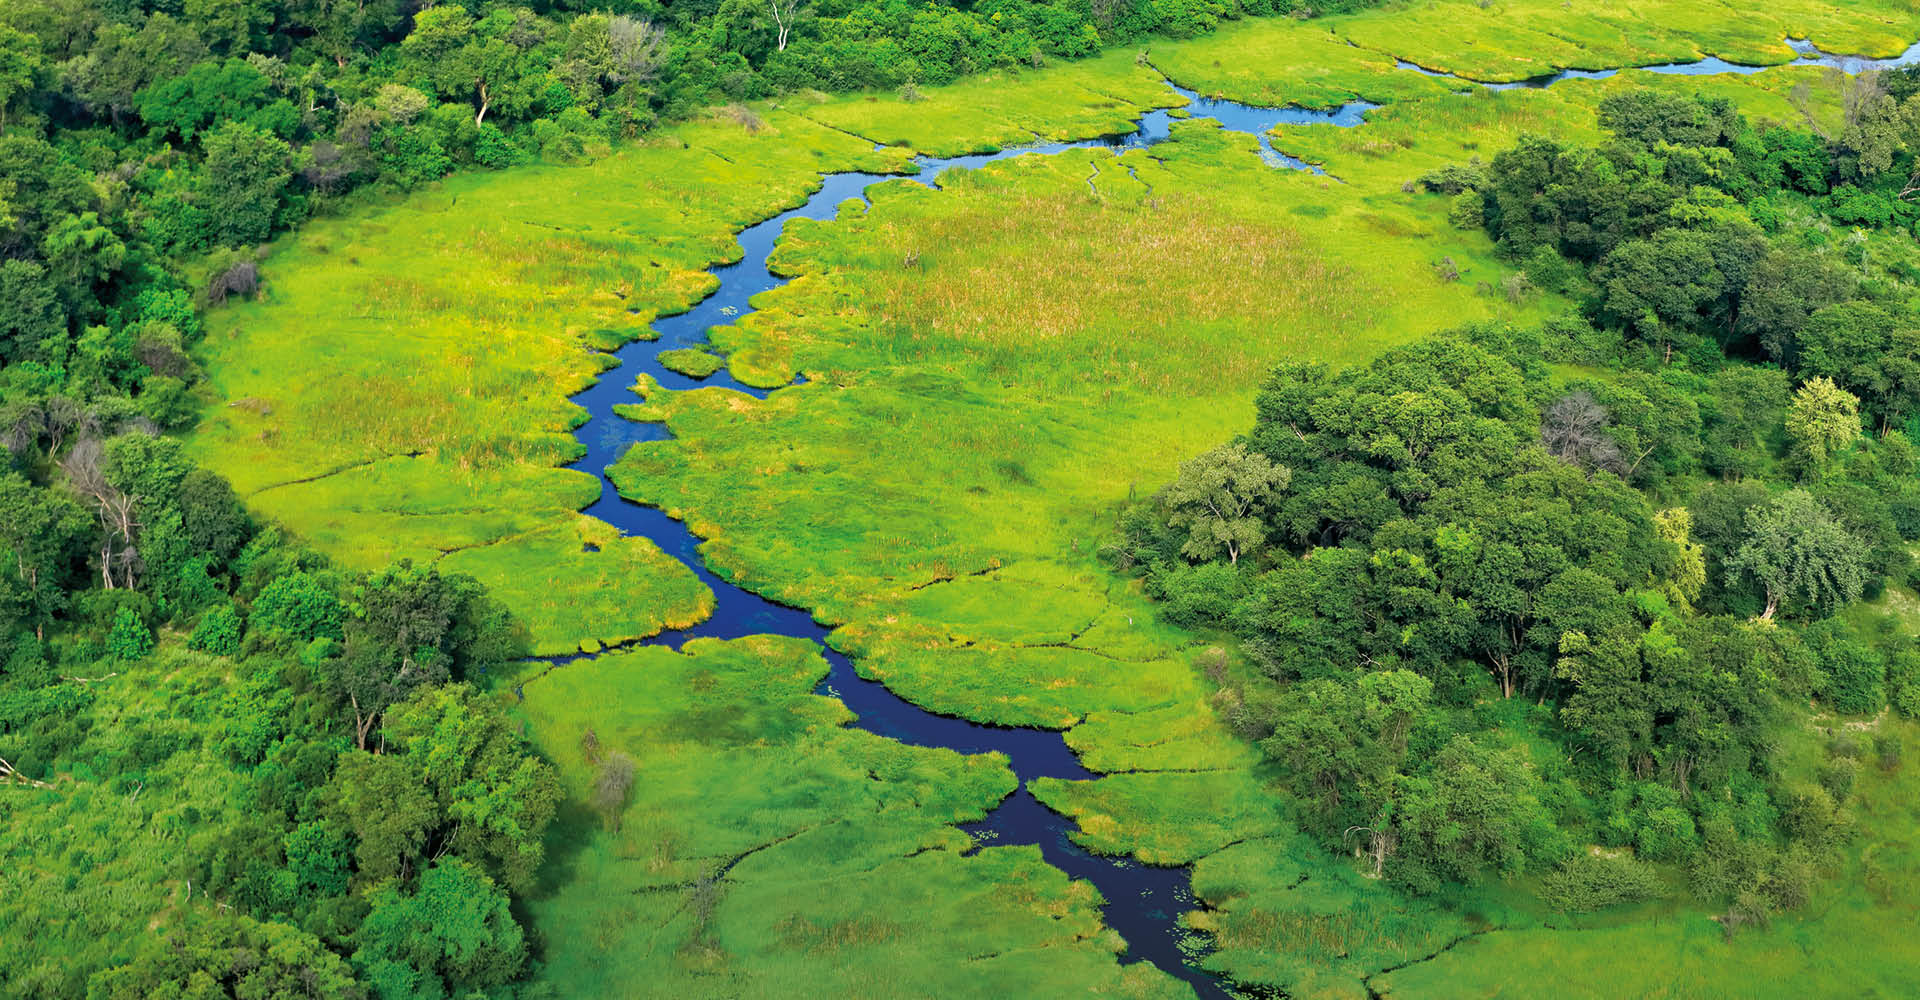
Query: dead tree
pixel 85 467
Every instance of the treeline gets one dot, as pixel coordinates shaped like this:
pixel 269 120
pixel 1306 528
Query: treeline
pixel 1510 618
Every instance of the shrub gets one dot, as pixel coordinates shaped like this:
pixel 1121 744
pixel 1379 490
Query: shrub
pixel 1589 882
pixel 1856 678
pixel 299 606
pixel 1903 682
pixel 240 276
pixel 1453 179
pixel 129 639
pixel 218 632
pixel 1467 211
pixel 1200 595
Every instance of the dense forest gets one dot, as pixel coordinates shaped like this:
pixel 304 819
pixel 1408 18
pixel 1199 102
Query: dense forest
pixel 1548 601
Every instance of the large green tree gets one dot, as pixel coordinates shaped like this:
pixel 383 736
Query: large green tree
pixel 1797 551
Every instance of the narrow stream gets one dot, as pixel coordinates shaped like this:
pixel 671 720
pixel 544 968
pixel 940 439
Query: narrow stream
pixel 1808 55
pixel 1143 902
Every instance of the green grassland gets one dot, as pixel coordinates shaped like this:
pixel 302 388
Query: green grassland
pixel 769 852
pixel 992 367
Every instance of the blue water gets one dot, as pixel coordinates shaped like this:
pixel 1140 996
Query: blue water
pixel 1143 902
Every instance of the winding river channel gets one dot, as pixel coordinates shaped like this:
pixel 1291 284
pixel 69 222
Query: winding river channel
pixel 1143 902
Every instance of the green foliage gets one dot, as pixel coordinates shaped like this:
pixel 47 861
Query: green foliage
pixel 230 957
pixel 496 797
pixel 1221 499
pixel 1821 420
pixel 129 638
pixel 247 171
pixel 1587 882
pixel 450 935
pixel 300 606
pixel 1475 813
pixel 218 631
pixel 1797 551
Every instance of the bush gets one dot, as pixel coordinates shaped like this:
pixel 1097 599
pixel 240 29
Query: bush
pixel 1454 179
pixel 129 639
pixel 1467 211
pixel 1589 882
pixel 1856 678
pixel 1903 682
pixel 1202 595
pixel 299 606
pixel 218 632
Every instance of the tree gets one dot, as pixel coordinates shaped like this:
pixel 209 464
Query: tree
pixel 459 56
pixel 1821 420
pixel 230 957
pixel 785 14
pixel 610 786
pixel 123 61
pixel 209 94
pixel 495 798
pixel 1686 576
pixel 299 606
pixel 1574 429
pixel 1651 118
pixel 1476 811
pixel 247 171
pixel 1798 552
pixel 20 68
pixel 218 632
pixel 1787 285
pixel 45 534
pixel 1662 280
pixel 33 322
pixel 380 798
pixel 1343 744
pixel 1220 498
pixel 1608 705
pixel 412 628
pixel 452 935
pixel 638 49
pixel 130 638
pixel 86 468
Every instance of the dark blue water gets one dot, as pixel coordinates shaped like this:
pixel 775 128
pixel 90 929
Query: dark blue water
pixel 1808 55
pixel 1143 902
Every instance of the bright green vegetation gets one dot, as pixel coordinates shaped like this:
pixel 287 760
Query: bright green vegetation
pixel 1850 940
pixel 1100 96
pixel 1041 415
pixel 764 849
pixel 692 363
pixel 293 788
